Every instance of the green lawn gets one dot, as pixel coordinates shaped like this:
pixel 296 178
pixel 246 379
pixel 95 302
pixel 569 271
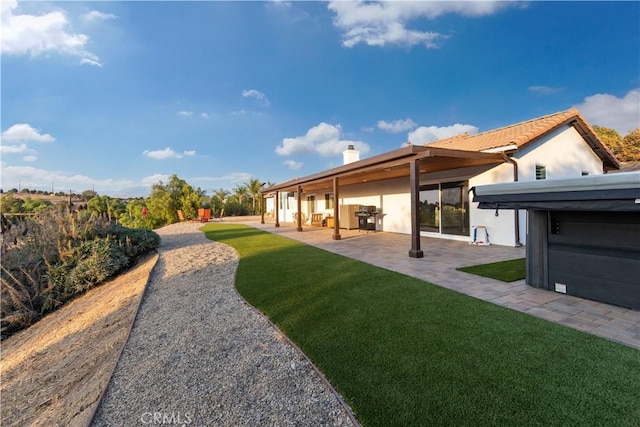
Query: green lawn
pixel 507 271
pixel 403 352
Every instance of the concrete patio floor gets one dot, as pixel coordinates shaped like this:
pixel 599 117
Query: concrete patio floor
pixel 442 257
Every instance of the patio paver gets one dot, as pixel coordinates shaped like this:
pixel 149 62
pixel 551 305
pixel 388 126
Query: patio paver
pixel 442 257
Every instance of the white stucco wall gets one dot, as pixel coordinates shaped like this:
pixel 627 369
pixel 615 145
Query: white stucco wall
pixel 563 152
pixel 390 197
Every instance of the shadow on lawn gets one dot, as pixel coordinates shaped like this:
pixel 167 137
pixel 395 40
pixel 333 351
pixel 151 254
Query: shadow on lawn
pixel 405 352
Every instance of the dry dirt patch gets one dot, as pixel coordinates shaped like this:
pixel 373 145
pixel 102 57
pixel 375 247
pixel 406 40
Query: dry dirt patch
pixel 54 372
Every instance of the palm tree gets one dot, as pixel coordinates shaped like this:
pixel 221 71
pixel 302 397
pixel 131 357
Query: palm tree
pixel 220 195
pixel 253 187
pixel 240 191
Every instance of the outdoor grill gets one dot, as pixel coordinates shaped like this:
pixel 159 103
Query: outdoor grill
pixel 367 217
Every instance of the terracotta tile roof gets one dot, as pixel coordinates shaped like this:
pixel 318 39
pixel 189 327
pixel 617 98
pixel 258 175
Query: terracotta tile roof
pixel 521 134
pixel 518 134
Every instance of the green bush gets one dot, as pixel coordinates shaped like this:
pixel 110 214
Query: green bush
pixel 55 255
pixel 137 241
pixel 95 262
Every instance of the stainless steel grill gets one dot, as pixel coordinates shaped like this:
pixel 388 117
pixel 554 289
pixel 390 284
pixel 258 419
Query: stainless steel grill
pixel 367 218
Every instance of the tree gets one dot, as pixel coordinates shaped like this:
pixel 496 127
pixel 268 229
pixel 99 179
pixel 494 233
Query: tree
pixel 240 191
pixel 253 188
pixel 632 142
pixel 106 206
pixel 87 195
pixel 218 201
pixel 11 204
pixel 625 149
pixel 159 206
pixel 165 200
pixel 133 217
pixel 35 205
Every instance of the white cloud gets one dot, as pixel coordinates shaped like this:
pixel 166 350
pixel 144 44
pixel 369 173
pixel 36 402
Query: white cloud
pixel 280 4
pixel 15 149
pixel 25 132
pixel 323 139
pixel 90 61
pixel 96 15
pixel 621 114
pixel 31 177
pixel 286 11
pixel 167 153
pixel 259 96
pixel 292 164
pixel 36 35
pixel 545 90
pixel 427 134
pixel 383 23
pixel 397 126
pixel 193 114
pixel 225 181
pixel 29 158
pixel 154 179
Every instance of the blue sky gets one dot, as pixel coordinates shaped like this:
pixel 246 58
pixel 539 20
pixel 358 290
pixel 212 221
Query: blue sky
pixel 116 96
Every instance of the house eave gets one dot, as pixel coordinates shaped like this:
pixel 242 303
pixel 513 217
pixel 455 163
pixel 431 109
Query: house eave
pixel 392 164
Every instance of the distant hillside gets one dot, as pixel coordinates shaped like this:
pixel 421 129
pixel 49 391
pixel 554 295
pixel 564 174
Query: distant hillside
pixel 49 197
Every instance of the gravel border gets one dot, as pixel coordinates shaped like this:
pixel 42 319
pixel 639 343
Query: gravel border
pixel 198 354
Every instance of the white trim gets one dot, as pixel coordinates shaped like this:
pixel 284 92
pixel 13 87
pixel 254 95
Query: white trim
pixel 445 236
pixel 510 147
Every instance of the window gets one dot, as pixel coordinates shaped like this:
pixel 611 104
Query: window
pixel 541 172
pixel 311 205
pixel 585 173
pixel 328 201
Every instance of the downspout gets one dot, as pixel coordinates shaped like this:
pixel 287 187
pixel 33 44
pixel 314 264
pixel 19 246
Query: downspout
pixel 515 179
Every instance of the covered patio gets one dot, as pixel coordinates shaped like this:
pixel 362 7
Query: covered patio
pixel 410 162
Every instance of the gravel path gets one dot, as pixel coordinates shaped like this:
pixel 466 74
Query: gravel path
pixel 199 355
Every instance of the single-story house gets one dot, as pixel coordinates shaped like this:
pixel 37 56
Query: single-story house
pixel 422 190
pixel 583 234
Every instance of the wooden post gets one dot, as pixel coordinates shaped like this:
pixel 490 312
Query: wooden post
pixel 336 210
pixel 414 183
pixel 261 208
pixel 299 202
pixel 277 209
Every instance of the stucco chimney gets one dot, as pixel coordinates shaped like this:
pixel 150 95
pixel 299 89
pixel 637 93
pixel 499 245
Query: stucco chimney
pixel 350 155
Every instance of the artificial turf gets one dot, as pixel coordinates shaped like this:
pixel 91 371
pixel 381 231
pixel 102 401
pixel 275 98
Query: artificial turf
pixel 507 271
pixel 404 352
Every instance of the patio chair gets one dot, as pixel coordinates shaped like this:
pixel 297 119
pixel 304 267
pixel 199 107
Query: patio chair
pixel 204 215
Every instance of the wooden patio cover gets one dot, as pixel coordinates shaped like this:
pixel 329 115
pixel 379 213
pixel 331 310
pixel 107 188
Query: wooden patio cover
pixel 409 161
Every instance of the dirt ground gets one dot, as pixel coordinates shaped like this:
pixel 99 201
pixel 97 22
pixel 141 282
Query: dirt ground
pixel 54 372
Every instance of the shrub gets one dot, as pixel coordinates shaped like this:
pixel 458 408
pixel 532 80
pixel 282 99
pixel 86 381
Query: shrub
pixel 55 255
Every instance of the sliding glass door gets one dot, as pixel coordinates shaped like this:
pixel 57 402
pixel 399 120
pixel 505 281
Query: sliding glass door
pixel 444 208
pixel 430 208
